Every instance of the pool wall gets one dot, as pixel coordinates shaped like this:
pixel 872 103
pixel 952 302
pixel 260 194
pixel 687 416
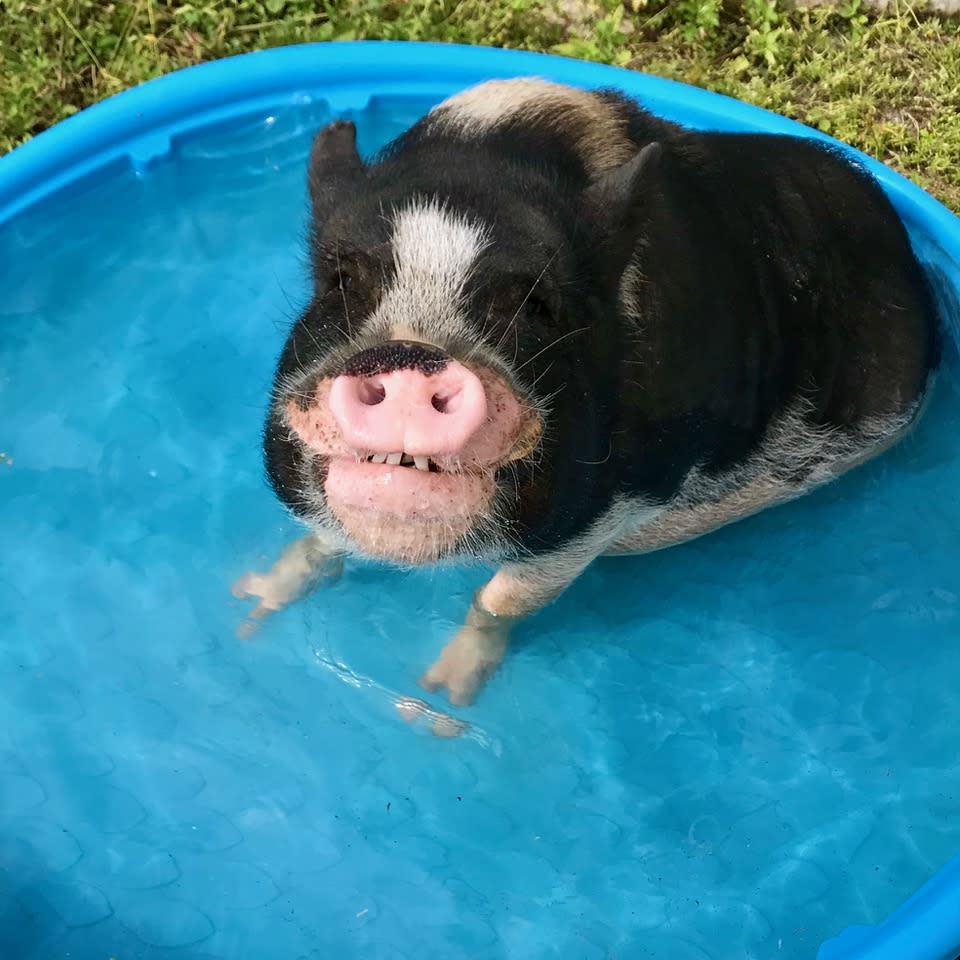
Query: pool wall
pixel 134 128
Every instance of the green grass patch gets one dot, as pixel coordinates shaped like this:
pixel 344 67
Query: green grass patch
pixel 888 84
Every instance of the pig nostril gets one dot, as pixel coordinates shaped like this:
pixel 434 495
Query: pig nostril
pixel 371 393
pixel 447 402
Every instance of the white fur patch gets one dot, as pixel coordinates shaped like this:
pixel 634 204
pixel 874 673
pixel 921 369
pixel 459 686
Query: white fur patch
pixel 630 284
pixel 593 127
pixel 486 105
pixel 793 445
pixel 434 251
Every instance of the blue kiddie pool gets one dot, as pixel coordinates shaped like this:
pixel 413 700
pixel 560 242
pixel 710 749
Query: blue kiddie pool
pixel 745 747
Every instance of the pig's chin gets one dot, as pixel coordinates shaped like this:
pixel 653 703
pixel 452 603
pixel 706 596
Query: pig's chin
pixel 406 515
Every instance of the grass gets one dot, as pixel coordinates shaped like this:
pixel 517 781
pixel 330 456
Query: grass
pixel 888 84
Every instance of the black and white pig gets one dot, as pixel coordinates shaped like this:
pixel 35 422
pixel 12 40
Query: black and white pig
pixel 547 325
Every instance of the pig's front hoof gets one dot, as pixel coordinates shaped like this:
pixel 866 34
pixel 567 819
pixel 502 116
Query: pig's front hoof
pixel 261 587
pixel 281 586
pixel 466 663
pixel 442 725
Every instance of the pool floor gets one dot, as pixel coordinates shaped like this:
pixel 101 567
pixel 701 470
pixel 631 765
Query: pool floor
pixel 733 749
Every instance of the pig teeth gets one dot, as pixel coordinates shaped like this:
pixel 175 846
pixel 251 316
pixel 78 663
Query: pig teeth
pixel 401 459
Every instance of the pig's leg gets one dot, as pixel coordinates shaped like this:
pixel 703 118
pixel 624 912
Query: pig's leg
pixel 679 524
pixel 302 566
pixel 472 656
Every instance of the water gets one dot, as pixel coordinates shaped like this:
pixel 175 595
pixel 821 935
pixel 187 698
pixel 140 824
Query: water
pixel 729 750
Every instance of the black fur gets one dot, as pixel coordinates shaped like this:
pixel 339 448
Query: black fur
pixel 773 269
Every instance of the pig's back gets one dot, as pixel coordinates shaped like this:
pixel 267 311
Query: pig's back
pixel 780 311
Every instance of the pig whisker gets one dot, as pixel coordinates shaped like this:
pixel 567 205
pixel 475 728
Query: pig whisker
pixel 343 293
pixel 550 346
pixel 514 477
pixel 523 303
pixel 606 459
pixel 294 310
pixel 484 328
pixel 316 343
pixel 296 355
pixel 290 315
pixel 545 403
pixel 503 336
pixel 543 373
pixel 548 398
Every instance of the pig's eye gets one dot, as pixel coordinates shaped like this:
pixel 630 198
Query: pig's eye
pixel 522 299
pixel 340 279
pixel 537 307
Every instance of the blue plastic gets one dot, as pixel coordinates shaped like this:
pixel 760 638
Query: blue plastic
pixel 925 926
pixel 130 131
pixel 141 123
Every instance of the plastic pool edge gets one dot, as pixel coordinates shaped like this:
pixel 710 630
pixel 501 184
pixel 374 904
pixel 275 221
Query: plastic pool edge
pixel 931 917
pixel 138 125
pixel 124 125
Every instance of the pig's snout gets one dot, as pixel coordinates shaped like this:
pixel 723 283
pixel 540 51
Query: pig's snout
pixel 407 398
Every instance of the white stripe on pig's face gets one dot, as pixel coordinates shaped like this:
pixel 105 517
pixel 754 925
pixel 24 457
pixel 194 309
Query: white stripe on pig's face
pixel 434 250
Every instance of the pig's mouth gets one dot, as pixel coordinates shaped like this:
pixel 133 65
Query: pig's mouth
pixel 404 512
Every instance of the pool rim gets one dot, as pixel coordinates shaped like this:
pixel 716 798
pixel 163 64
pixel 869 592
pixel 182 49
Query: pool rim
pixel 140 124
pixel 125 124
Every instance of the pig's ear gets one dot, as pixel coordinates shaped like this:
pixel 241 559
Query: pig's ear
pixel 615 205
pixel 334 162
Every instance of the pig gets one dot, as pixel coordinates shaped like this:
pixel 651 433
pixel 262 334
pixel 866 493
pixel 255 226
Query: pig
pixel 547 325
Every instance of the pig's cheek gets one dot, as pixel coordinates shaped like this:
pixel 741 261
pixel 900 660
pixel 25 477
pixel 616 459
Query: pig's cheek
pixel 504 423
pixel 315 428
